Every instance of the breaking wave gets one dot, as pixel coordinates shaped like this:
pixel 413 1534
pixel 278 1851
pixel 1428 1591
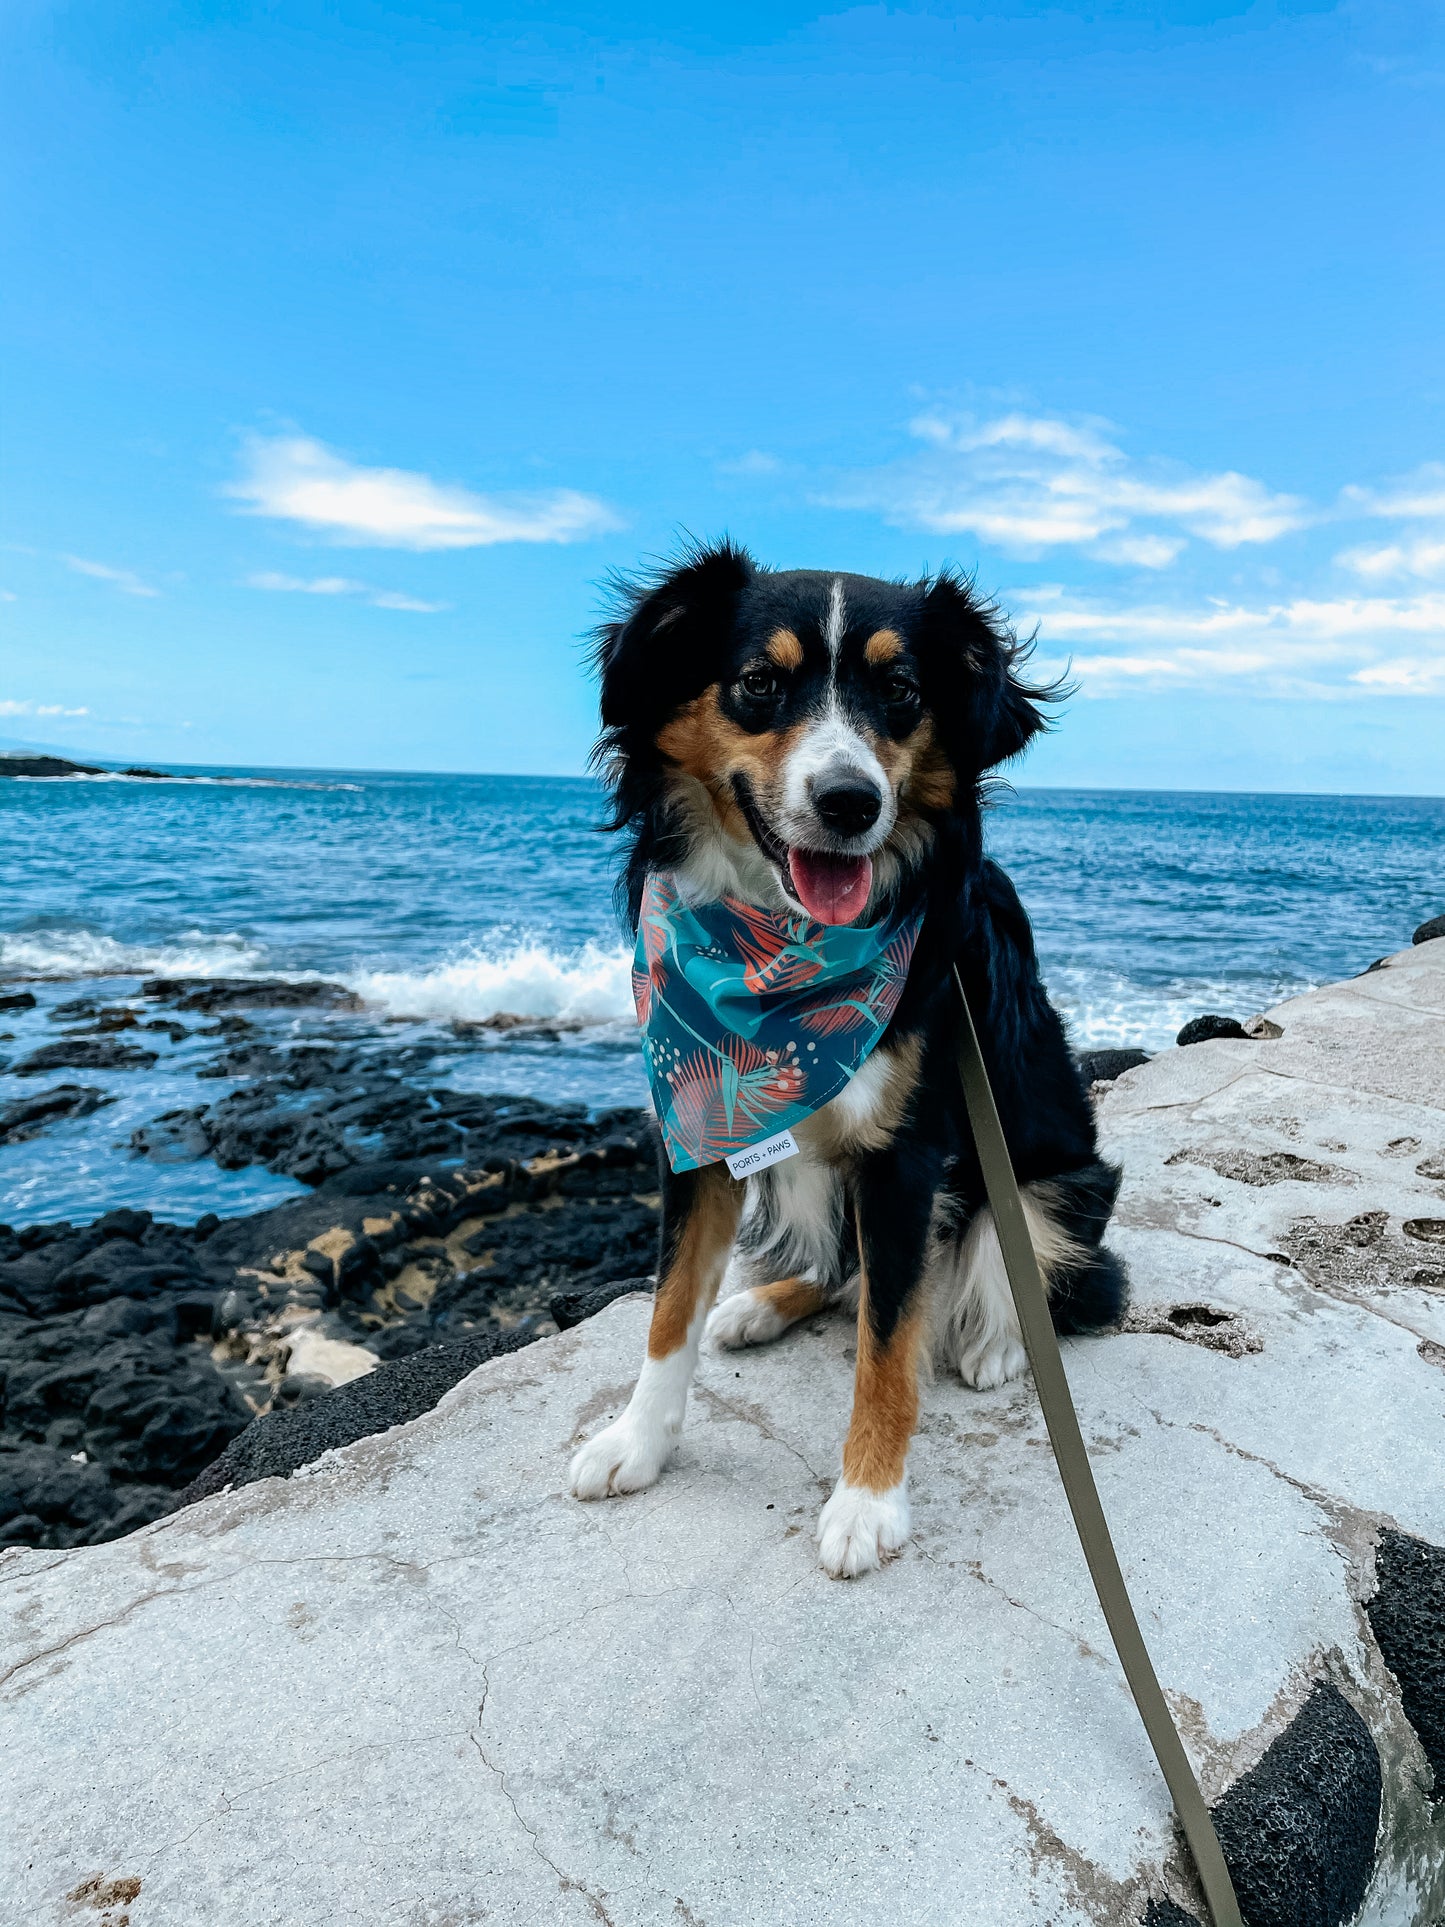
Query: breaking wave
pixel 90 953
pixel 592 986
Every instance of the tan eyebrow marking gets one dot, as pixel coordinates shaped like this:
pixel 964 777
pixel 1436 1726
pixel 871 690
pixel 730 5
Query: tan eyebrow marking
pixel 785 650
pixel 884 645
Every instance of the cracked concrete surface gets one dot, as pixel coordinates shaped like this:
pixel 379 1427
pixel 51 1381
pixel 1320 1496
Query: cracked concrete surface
pixel 418 1686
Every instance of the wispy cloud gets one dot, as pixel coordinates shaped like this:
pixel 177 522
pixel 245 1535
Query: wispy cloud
pixel 293 478
pixel 1421 556
pixel 1029 484
pixel 1418 550
pixel 10 706
pixel 1418 497
pixel 343 585
pixel 126 580
pixel 1306 645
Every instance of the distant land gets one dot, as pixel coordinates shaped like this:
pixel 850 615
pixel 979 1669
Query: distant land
pixel 17 763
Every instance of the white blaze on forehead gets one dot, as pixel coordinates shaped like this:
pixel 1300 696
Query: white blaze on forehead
pixel 835 617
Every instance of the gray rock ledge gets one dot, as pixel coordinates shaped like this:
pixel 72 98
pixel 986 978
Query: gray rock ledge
pixel 415 1685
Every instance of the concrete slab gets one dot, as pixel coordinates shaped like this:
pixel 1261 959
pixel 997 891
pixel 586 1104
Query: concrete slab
pixel 418 1685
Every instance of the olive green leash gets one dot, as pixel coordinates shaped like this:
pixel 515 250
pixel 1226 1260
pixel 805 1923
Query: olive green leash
pixel 1042 1345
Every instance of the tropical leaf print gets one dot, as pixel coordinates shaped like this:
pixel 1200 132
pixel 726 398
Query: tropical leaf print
pixel 776 950
pixel 642 995
pixel 830 1016
pixel 872 1000
pixel 723 1099
pixel 659 901
pixel 752 1020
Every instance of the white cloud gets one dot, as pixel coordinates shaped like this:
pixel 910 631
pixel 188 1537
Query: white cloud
pixel 1141 551
pixel 1032 483
pixel 125 580
pixel 1419 497
pixel 9 706
pixel 342 585
pixel 1420 556
pixel 1415 552
pixel 1405 675
pixel 1301 646
pixel 294 478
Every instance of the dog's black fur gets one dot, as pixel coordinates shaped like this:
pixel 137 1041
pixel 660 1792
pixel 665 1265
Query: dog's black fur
pixel 691 630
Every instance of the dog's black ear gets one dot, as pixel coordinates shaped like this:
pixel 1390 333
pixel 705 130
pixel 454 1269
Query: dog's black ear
pixel 973 663
pixel 665 643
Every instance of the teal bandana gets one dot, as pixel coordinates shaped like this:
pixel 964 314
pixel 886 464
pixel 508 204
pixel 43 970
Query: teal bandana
pixel 753 1019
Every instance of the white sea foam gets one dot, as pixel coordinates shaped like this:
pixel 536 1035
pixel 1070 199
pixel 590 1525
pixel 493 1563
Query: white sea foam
pixel 1148 1018
pixel 89 953
pixel 191 782
pixel 591 986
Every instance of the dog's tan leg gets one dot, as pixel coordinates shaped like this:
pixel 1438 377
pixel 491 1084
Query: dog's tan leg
pixel 866 1520
pixel 764 1312
pixel 700 1220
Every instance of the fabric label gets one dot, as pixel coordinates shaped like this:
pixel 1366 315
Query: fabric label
pixel 757 1157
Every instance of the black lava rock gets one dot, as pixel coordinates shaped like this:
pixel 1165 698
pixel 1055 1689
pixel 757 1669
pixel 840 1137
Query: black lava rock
pixel 314 1110
pixel 571 1308
pixel 1164 1913
pixel 1103 1066
pixel 86 1054
pixel 1407 1615
pixel 27 1117
pixel 17 1000
pixel 282 1442
pixel 1203 1030
pixel 49 1498
pixel 1298 1831
pixel 1427 933
pixel 111 1392
pixel 212 994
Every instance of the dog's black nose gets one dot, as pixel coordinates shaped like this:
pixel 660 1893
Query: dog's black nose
pixel 849 805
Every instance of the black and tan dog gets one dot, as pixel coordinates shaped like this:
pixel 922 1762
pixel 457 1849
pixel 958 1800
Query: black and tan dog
pixel 821 742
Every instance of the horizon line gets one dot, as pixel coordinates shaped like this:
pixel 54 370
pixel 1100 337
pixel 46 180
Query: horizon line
pixel 113 765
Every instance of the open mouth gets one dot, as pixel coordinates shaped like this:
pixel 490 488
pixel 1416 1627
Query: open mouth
pixel 831 888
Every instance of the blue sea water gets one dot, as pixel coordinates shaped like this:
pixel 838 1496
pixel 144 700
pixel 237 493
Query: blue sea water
pixel 439 898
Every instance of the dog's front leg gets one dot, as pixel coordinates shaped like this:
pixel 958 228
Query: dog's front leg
pixel 866 1520
pixel 700 1211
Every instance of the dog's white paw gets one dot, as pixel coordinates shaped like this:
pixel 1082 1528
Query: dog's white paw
pixel 859 1529
pixel 744 1319
pixel 627 1456
pixel 993 1364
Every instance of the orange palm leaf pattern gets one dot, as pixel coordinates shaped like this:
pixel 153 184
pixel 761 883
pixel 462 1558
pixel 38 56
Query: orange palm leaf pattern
pixel 752 1019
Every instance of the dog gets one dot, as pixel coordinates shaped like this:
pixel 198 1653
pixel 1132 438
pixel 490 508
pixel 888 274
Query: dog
pixel 821 744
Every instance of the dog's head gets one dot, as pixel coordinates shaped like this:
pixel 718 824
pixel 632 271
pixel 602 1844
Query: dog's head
pixel 798 735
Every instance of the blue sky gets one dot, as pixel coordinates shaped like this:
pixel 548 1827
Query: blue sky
pixel 346 349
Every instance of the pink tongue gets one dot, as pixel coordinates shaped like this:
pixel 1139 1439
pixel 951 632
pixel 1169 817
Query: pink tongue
pixel 834 889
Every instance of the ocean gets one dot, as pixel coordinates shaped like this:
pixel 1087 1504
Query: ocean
pixel 442 899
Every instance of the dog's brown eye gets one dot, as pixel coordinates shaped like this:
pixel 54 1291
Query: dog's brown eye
pixel 760 684
pixel 899 687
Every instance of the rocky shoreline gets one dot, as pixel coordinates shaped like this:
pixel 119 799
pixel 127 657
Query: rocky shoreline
pixel 136 1353
pixel 619 1713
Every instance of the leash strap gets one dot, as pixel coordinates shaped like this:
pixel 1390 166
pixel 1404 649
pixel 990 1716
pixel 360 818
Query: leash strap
pixel 1040 1341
